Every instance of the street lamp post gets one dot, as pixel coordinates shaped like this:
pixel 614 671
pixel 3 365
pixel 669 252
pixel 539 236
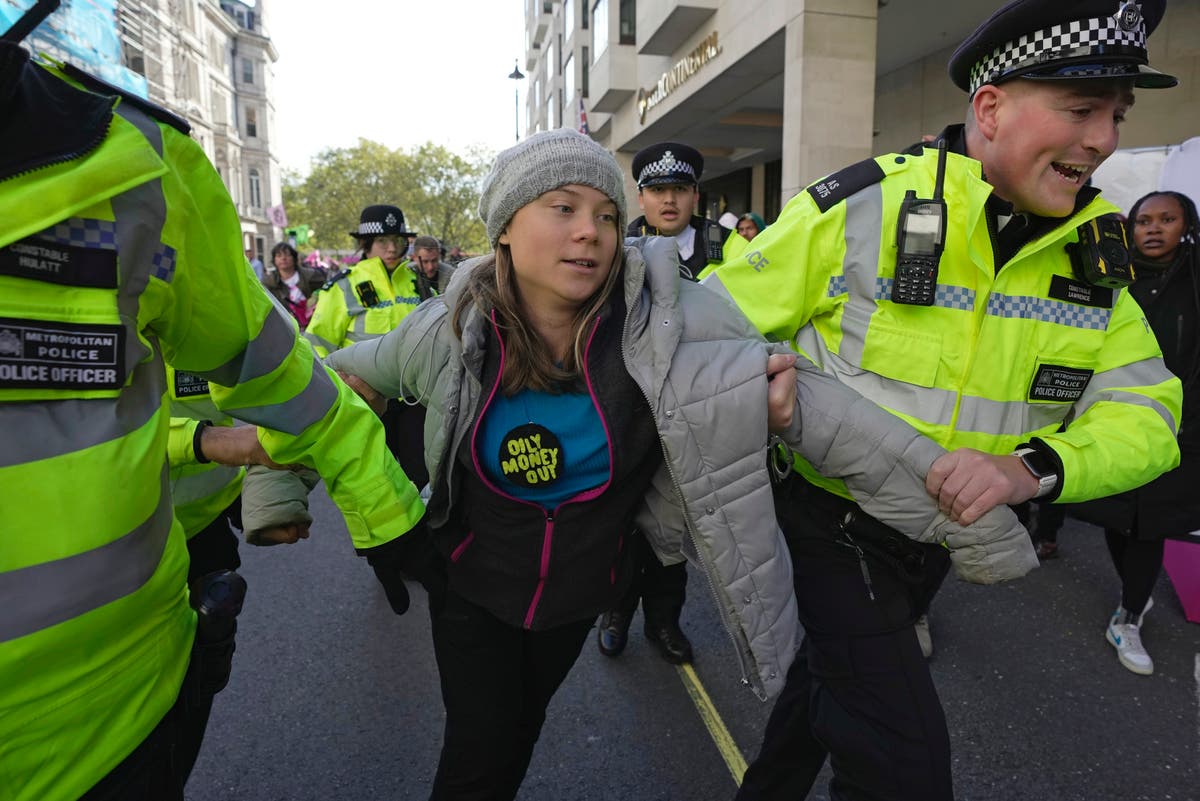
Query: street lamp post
pixel 516 75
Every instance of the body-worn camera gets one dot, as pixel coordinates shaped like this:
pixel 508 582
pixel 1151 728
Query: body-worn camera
pixel 1101 256
pixel 367 294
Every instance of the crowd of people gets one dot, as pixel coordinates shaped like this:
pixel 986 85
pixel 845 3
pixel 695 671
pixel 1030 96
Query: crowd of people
pixel 824 416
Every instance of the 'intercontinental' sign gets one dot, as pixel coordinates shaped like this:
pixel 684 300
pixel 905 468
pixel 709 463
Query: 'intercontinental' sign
pixel 675 77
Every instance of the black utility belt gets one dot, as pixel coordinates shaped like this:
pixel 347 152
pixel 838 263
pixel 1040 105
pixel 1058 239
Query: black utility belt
pixel 857 529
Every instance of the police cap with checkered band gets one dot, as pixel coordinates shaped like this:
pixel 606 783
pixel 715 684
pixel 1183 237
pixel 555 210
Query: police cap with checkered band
pixel 381 221
pixel 667 163
pixel 1062 40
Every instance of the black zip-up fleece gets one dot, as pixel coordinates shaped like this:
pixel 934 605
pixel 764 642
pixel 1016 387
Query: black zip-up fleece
pixel 537 569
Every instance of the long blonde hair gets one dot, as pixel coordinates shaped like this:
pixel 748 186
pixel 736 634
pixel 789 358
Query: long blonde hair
pixel 528 363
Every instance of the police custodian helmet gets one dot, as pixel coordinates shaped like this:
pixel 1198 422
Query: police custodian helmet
pixel 381 221
pixel 667 163
pixel 1063 40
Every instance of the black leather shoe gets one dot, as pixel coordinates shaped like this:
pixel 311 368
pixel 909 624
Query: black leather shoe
pixel 672 644
pixel 612 633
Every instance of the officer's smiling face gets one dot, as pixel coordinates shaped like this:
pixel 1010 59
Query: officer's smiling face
pixel 1042 140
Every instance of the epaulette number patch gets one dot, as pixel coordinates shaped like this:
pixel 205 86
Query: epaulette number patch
pixel 829 192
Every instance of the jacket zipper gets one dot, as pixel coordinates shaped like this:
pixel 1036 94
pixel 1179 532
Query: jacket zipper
pixel 687 521
pixel 587 495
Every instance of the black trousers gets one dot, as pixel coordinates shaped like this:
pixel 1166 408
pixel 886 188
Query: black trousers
pixel 859 691
pixel 404 430
pixel 497 681
pixel 1138 563
pixel 662 589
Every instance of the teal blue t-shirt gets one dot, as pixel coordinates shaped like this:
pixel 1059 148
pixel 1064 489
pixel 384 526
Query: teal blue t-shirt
pixel 542 447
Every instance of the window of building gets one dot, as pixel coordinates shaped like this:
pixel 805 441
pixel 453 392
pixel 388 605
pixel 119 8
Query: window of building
pixel 569 15
pixel 599 28
pixel 627 23
pixel 583 72
pixel 247 71
pixel 550 111
pixel 569 77
pixel 549 62
pixel 251 122
pixel 255 189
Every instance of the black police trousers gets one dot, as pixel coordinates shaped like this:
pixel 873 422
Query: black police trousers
pixel 859 692
pixel 662 589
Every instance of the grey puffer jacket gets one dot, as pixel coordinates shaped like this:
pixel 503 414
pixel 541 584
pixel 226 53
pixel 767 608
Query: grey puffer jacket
pixel 702 368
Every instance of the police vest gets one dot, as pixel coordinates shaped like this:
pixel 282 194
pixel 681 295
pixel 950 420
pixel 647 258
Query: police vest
pixel 363 303
pixel 999 358
pixel 111 254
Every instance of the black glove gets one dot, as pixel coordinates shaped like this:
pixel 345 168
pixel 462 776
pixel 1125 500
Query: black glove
pixel 390 576
pixel 411 554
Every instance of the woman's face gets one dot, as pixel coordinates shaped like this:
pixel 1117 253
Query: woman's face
pixel 563 246
pixel 388 249
pixel 285 261
pixel 1159 227
pixel 747 229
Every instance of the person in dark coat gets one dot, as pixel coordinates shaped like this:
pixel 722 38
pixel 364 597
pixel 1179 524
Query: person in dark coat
pixel 1164 232
pixel 291 282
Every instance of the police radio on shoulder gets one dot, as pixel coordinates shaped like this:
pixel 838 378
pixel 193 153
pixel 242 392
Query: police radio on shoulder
pixel 920 240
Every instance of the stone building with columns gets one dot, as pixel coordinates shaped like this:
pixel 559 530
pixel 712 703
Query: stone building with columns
pixel 779 93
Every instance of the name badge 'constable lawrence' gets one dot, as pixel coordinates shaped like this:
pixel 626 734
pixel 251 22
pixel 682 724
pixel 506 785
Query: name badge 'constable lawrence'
pixel 937 282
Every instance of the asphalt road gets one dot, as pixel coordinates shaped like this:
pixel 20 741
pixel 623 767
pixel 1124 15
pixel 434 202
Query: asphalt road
pixel 335 698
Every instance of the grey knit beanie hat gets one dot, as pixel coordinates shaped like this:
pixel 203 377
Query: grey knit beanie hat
pixel 543 162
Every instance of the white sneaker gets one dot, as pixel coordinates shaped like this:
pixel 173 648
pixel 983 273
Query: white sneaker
pixel 1126 637
pixel 921 626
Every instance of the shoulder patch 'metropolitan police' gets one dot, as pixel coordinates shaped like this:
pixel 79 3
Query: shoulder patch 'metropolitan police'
pixel 829 192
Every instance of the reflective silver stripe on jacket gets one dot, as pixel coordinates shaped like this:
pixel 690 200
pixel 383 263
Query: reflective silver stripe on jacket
pixel 1114 385
pixel 47 429
pixel 192 487
pixel 262 355
pixel 860 268
pixel 39 596
pixel 298 413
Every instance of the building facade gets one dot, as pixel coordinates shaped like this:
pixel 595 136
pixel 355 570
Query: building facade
pixel 779 93
pixel 210 61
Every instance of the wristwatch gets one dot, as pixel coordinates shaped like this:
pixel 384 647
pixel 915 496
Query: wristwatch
pixel 1042 468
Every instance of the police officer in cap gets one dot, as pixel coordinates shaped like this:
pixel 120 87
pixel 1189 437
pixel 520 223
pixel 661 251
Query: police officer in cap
pixel 954 285
pixel 366 301
pixel 668 177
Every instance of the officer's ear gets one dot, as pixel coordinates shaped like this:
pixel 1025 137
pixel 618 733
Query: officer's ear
pixel 641 203
pixel 985 106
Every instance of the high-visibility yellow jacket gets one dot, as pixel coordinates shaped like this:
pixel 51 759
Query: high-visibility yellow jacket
pixel 199 492
pixel 999 358
pixel 117 253
pixel 346 313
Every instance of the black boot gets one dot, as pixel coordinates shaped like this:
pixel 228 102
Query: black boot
pixel 672 644
pixel 613 632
